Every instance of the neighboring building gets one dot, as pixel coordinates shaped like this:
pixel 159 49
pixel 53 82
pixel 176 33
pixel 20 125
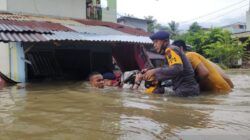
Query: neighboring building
pixel 236 27
pixel 104 10
pixel 248 19
pixel 134 22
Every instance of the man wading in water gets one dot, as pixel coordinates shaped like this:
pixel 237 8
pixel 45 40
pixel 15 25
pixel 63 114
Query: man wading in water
pixel 179 68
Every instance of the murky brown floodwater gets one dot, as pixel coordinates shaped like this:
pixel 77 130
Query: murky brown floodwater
pixel 70 111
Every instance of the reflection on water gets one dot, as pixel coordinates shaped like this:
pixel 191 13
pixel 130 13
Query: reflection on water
pixel 69 110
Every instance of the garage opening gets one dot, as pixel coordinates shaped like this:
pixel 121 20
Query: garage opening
pixel 68 61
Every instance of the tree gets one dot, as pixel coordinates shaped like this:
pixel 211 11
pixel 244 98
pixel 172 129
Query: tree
pixel 223 48
pixel 195 27
pixel 215 44
pixel 173 29
pixel 151 23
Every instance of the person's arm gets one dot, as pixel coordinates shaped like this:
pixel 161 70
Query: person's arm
pixel 166 73
pixel 201 71
pixel 138 79
pixel 175 66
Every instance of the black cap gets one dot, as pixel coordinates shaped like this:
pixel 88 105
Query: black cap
pixel 109 76
pixel 181 43
pixel 161 35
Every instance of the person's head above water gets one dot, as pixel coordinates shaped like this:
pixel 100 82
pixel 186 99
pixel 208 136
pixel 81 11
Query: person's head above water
pixel 160 40
pixel 96 80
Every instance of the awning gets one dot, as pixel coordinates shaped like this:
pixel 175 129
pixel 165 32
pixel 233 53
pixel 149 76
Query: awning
pixel 70 36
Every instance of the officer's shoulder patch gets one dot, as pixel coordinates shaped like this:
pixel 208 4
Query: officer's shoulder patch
pixel 172 57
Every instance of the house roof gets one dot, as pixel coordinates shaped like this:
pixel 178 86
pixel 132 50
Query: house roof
pixel 132 18
pixel 31 28
pixel 74 36
pixel 119 27
pixel 245 34
pixel 236 23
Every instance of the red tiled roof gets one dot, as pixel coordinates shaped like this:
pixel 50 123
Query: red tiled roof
pixel 115 26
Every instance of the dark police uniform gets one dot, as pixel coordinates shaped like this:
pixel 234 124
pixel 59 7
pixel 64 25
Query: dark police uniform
pixel 179 70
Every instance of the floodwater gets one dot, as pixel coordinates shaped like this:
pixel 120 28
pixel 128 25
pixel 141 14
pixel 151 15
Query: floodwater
pixel 72 111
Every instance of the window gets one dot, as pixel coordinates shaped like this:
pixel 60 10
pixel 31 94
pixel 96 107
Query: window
pixel 242 26
pixel 94 9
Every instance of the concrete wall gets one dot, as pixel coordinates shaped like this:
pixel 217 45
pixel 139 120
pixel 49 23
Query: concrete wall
pixel 3 5
pixel 109 14
pixel 12 62
pixel 17 63
pixel 248 20
pixel 63 8
pixel 4 59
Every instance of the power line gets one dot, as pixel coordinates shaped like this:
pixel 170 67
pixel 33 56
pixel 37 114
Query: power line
pixel 213 12
pixel 226 13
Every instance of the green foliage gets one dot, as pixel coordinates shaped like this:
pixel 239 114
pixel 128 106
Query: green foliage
pixel 215 44
pixel 223 47
pixel 195 27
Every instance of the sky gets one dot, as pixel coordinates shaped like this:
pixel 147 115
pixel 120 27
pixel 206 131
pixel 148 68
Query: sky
pixel 206 12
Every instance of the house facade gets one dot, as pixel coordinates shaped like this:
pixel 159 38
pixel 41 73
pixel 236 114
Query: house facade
pixel 104 10
pixel 236 27
pixel 134 22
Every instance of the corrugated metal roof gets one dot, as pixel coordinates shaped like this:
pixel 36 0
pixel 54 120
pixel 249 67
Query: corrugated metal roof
pixel 100 30
pixel 29 28
pixel 61 36
pixel 119 38
pixel 21 37
pixel 35 25
pixel 62 21
pixel 74 36
pixel 58 21
pixel 10 16
pixel 15 28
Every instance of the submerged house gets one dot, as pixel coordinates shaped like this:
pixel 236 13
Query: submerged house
pixel 37 47
pixel 65 39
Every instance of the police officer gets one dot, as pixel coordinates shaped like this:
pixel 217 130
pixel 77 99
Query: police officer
pixel 179 68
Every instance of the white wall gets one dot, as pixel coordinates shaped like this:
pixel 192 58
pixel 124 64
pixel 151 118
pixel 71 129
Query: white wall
pixel 248 20
pixel 17 63
pixel 4 59
pixel 63 8
pixel 109 15
pixel 3 5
